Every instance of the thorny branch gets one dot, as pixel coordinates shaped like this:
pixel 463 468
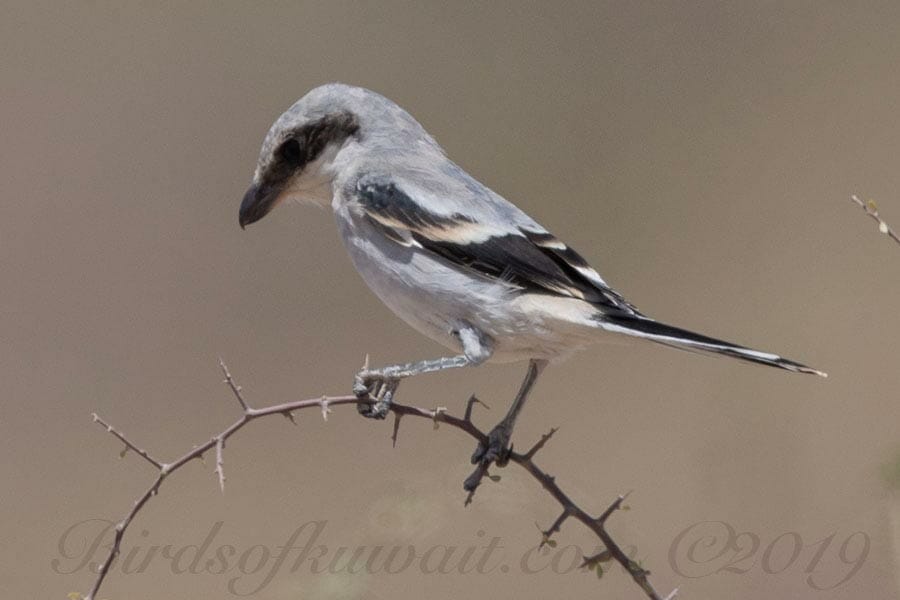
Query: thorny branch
pixel 438 415
pixel 871 209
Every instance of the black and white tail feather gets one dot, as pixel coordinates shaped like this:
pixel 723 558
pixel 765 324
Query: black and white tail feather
pixel 648 329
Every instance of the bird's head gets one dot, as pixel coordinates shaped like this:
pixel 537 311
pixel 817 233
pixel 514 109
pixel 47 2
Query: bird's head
pixel 295 162
pixel 307 146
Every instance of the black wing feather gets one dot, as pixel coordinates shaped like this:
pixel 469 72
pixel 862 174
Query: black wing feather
pixel 386 201
pixel 534 261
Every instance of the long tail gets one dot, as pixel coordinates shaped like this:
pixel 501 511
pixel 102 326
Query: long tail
pixel 661 333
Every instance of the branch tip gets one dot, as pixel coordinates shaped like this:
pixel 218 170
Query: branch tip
pixel 128 443
pixel 235 388
pixel 871 209
pixel 546 534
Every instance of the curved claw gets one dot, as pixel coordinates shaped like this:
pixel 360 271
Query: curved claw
pixel 381 388
pixel 497 450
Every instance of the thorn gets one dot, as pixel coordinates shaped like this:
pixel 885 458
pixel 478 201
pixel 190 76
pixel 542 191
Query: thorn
pixel 546 534
pixel 592 561
pixel 290 417
pixel 325 410
pixel 540 443
pixel 436 415
pixel 601 520
pixel 366 363
pixel 396 429
pixel 472 401
pixel 220 462
pixel 546 541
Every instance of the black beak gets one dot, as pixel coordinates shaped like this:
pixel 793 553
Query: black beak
pixel 257 203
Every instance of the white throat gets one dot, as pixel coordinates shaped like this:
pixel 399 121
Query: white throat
pixel 314 184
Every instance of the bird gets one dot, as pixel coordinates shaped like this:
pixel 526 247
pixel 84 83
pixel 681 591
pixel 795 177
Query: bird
pixel 449 256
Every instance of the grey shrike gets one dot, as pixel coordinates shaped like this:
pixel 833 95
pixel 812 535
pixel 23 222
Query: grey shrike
pixel 456 261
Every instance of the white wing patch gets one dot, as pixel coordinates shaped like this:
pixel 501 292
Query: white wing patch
pixel 524 257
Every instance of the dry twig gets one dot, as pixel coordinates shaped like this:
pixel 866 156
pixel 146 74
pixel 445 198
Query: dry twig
pixel 438 415
pixel 871 209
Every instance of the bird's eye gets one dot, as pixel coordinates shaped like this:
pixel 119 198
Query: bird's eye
pixel 290 152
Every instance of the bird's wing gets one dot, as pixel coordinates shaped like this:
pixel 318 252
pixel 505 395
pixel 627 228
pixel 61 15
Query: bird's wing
pixel 517 251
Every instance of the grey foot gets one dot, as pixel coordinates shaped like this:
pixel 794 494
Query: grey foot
pixel 497 450
pixel 378 387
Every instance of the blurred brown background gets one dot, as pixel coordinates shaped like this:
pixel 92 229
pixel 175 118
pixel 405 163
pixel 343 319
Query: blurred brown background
pixel 700 155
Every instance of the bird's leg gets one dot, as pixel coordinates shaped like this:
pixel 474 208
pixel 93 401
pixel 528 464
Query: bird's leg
pixel 498 446
pixel 381 384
